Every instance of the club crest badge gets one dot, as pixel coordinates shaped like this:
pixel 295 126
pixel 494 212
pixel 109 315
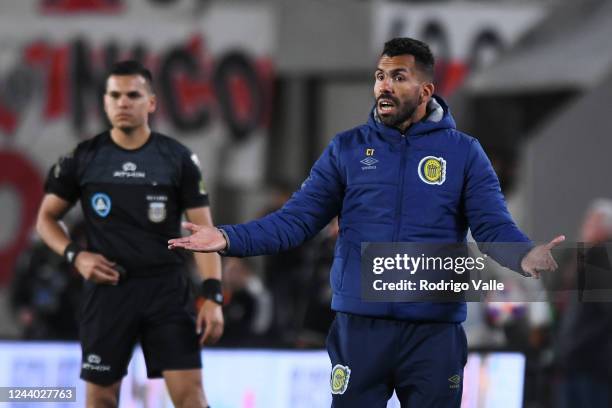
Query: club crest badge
pixel 340 376
pixel 432 170
pixel 101 204
pixel 157 212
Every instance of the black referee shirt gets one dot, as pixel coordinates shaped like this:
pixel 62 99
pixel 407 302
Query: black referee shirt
pixel 132 200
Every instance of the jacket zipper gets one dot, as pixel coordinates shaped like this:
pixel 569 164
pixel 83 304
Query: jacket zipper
pixel 400 201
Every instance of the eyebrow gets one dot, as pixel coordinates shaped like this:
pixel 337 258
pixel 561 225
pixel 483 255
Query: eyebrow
pixel 395 71
pixel 130 92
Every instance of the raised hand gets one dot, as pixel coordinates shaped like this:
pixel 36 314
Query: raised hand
pixel 202 239
pixel 539 259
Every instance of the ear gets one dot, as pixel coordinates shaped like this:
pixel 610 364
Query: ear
pixel 427 92
pixel 152 104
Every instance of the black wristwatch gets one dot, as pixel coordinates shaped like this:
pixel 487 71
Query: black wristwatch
pixel 211 290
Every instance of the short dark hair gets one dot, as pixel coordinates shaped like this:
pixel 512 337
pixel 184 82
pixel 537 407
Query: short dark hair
pixel 131 67
pixel 423 57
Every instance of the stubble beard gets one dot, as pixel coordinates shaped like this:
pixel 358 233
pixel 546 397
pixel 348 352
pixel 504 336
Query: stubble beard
pixel 405 111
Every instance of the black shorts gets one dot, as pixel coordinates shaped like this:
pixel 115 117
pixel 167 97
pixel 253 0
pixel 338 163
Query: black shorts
pixel 157 311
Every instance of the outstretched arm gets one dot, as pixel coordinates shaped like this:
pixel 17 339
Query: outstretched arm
pixel 490 221
pixel 308 211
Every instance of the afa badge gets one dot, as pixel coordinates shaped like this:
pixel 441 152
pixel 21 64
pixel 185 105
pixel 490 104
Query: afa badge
pixel 157 212
pixel 432 170
pixel 101 204
pixel 340 376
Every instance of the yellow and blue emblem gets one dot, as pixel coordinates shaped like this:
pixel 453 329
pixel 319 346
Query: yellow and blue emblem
pixel 340 376
pixel 432 170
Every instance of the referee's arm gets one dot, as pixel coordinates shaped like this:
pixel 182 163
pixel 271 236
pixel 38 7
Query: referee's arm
pixel 91 266
pixel 210 316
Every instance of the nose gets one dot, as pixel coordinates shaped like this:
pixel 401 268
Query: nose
pixel 385 86
pixel 124 101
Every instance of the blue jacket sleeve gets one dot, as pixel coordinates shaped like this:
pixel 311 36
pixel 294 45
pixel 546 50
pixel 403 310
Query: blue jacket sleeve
pixel 487 215
pixel 307 211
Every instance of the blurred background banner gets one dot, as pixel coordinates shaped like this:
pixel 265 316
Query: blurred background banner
pixel 247 378
pixel 463 36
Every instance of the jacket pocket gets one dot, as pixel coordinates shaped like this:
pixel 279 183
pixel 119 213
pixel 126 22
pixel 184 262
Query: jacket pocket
pixel 337 271
pixel 338 266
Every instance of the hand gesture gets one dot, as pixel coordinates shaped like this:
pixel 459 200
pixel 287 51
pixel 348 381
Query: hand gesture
pixel 96 268
pixel 202 239
pixel 539 259
pixel 210 318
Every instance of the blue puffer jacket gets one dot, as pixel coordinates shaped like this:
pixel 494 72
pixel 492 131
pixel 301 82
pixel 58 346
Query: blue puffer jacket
pixel 428 185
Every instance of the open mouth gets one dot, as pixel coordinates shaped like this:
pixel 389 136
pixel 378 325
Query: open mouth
pixel 385 105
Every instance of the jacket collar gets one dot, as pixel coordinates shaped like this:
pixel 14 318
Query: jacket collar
pixel 438 117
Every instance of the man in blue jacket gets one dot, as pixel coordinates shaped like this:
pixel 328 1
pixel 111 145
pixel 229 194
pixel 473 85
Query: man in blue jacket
pixel 407 175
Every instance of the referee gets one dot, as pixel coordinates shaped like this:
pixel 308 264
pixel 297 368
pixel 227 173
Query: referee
pixel 134 185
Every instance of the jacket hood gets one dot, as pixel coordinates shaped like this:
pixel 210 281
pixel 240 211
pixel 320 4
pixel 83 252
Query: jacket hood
pixel 438 117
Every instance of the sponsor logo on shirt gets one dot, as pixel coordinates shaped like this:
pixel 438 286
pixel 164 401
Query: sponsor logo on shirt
pixel 101 204
pixel 432 170
pixel 128 170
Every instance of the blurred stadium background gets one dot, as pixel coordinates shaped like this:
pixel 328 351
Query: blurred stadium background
pixel 257 89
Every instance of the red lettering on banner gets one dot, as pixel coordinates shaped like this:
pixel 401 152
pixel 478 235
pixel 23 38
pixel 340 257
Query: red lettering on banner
pixel 453 75
pixel 242 102
pixel 8 120
pixel 194 86
pixel 57 84
pixel 19 174
pixel 79 6
pixel 192 92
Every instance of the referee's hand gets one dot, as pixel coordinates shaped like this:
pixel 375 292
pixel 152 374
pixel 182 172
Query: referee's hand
pixel 202 239
pixel 96 268
pixel 210 318
pixel 540 259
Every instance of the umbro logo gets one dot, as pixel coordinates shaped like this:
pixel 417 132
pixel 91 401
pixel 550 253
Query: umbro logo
pixel 455 381
pixel 369 161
